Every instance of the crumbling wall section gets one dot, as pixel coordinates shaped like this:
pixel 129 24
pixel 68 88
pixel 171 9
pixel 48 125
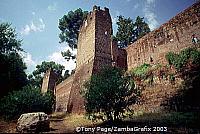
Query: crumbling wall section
pixel 62 94
pixel 49 81
pixel 174 35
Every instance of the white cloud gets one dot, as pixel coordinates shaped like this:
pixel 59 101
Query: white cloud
pixel 26 30
pixel 52 7
pixel 58 58
pixel 150 15
pixel 33 13
pixel 115 18
pixel 28 60
pixel 38 26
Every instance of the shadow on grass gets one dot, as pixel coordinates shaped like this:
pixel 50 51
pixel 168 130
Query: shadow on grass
pixel 176 122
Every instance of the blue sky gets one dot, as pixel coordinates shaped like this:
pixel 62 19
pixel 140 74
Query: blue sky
pixel 36 21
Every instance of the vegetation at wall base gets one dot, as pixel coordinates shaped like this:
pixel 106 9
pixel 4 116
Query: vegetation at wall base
pixel 187 65
pixel 109 93
pixel 29 99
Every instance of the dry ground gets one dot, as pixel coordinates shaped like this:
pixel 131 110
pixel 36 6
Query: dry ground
pixel 182 123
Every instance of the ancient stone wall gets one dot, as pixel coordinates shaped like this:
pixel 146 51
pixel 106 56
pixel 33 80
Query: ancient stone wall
pixel 119 56
pixel 94 52
pixel 62 94
pixel 103 32
pixel 49 81
pixel 86 41
pixel 171 36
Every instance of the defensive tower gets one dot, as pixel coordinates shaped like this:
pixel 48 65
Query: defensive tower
pixel 94 52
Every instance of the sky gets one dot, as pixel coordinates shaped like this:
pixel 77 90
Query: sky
pixel 36 22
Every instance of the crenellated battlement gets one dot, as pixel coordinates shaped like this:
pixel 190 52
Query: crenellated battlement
pixel 92 15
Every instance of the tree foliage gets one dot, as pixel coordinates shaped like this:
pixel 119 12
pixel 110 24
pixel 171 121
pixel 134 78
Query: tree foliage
pixel 129 31
pixel 109 92
pixel 36 77
pixel 68 55
pixel 69 25
pixel 141 28
pixel 29 99
pixel 8 40
pixel 125 31
pixel 12 67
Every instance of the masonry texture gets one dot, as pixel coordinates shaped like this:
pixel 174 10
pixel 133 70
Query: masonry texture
pixel 49 81
pixel 174 35
pixel 96 50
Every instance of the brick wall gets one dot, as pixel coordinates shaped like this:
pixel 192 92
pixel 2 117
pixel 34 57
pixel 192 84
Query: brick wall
pixel 94 52
pixel 171 36
pixel 119 56
pixel 49 81
pixel 62 94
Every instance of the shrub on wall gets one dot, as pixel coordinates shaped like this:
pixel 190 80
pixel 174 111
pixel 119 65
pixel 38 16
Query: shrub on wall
pixel 179 61
pixel 141 71
pixel 28 99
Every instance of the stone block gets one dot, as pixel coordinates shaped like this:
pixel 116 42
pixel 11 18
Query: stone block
pixel 33 122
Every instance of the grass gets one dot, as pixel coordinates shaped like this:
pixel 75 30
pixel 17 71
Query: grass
pixel 75 120
pixel 58 115
pixel 176 122
pixel 187 119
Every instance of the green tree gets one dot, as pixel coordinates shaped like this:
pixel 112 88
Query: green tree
pixel 12 67
pixel 36 77
pixel 68 55
pixel 129 31
pixel 109 92
pixel 125 31
pixel 28 99
pixel 8 40
pixel 141 28
pixel 69 26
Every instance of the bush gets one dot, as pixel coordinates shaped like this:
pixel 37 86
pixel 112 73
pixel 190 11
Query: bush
pixel 28 99
pixel 141 71
pixel 179 61
pixel 109 93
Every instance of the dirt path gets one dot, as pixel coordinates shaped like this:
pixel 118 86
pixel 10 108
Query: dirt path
pixel 58 126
